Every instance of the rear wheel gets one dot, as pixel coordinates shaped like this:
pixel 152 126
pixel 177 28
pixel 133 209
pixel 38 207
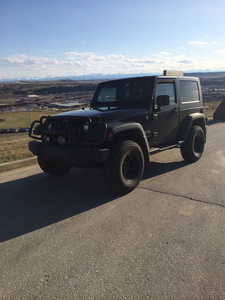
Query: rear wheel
pixel 193 147
pixel 124 166
pixel 53 167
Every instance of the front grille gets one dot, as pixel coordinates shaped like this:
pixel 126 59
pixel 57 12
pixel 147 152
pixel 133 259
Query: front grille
pixel 61 126
pixel 71 129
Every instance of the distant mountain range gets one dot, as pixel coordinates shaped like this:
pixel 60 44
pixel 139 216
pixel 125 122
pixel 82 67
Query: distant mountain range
pixel 109 76
pixel 80 77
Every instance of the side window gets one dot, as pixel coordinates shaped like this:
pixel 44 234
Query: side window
pixel 107 94
pixel 166 88
pixel 189 91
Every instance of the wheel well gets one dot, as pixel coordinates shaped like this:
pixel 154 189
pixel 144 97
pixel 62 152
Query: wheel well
pixel 133 135
pixel 187 124
pixel 200 122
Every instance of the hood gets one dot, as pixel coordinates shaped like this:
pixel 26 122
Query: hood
pixel 104 115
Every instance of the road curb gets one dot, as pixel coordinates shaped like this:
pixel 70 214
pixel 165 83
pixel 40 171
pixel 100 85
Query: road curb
pixel 17 164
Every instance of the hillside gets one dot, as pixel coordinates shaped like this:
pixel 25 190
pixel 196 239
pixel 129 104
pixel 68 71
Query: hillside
pixel 15 93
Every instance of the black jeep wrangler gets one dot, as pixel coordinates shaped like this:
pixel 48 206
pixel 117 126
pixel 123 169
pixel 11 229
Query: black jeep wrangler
pixel 128 120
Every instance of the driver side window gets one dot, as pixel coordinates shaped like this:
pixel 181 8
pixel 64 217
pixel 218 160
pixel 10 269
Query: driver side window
pixel 107 94
pixel 166 88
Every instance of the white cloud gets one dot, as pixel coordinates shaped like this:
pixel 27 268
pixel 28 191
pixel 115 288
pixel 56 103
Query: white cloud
pixel 116 56
pixel 220 51
pixel 204 58
pixel 23 60
pixel 186 61
pixel 79 63
pixel 164 53
pixel 198 43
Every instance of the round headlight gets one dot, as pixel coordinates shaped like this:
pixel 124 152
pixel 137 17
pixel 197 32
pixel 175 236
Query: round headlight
pixel 46 138
pixel 86 127
pixel 61 140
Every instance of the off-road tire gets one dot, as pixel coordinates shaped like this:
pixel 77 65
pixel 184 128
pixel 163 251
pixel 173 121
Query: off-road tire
pixel 124 167
pixel 53 167
pixel 193 148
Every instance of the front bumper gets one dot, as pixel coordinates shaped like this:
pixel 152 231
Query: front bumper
pixel 69 154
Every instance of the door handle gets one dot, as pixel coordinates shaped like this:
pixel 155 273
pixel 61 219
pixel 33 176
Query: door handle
pixel 175 109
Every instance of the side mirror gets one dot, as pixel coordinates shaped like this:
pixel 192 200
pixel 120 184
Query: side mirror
pixel 163 100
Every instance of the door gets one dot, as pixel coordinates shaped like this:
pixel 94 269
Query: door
pixel 166 118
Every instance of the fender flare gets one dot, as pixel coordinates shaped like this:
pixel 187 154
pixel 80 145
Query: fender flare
pixel 195 118
pixel 119 127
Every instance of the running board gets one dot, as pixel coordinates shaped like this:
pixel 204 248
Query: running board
pixel 156 150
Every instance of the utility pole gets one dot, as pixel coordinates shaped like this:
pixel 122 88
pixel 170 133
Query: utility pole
pixel 28 104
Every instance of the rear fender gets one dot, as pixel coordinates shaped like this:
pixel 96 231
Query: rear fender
pixel 188 122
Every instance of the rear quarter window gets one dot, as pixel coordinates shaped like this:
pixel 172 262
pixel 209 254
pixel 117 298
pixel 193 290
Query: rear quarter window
pixel 189 91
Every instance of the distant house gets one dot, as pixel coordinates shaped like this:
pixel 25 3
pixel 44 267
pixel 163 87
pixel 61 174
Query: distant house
pixel 32 96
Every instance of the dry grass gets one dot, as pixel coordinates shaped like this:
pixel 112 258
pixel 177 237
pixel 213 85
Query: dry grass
pixel 15 146
pixel 14 149
pixel 21 119
pixel 210 108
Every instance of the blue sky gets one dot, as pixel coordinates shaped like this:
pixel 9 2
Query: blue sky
pixel 77 37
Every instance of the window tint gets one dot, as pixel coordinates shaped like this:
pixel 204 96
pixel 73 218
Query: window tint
pixel 107 94
pixel 189 91
pixel 123 92
pixel 165 88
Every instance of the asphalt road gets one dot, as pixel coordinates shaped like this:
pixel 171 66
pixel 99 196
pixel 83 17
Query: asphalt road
pixel 69 238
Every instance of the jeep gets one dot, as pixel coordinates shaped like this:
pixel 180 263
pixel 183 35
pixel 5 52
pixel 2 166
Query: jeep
pixel 128 121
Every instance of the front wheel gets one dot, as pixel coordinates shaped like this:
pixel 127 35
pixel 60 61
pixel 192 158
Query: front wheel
pixel 193 147
pixel 124 167
pixel 53 167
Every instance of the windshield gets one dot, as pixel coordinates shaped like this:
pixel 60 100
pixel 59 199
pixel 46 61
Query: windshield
pixel 133 93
